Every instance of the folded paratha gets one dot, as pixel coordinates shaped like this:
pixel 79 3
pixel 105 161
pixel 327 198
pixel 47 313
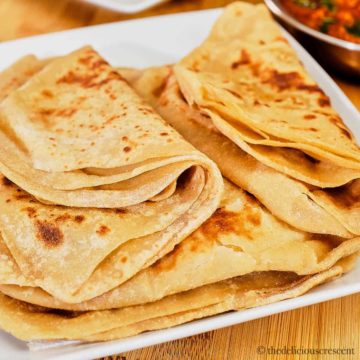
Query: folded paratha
pixel 76 134
pixel 322 193
pixel 302 207
pixel 29 322
pixel 144 187
pixel 241 237
pixel 251 80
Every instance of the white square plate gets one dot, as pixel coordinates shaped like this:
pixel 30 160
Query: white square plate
pixel 156 41
pixel 126 6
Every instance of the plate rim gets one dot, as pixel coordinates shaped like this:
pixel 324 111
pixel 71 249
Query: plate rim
pixel 116 5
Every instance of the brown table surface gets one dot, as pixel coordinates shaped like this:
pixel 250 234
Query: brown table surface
pixel 333 324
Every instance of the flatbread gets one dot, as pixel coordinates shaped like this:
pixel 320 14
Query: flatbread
pixel 136 212
pixel 304 208
pixel 18 73
pixel 134 272
pixel 252 79
pixel 29 322
pixel 118 154
pixel 241 237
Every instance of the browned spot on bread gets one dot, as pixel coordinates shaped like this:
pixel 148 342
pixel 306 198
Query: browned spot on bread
pixel 123 259
pixel 42 115
pixel 92 60
pixel 47 93
pixel 46 112
pixel 49 233
pixel 85 60
pixel 282 81
pixel 66 112
pixel 244 59
pixel 146 111
pixel 309 117
pixel 62 218
pixel 110 119
pixel 255 68
pixel 97 63
pixel 112 96
pixel 168 262
pixel 22 197
pixel 79 218
pixel 90 80
pixel 121 211
pixel 346 133
pixel 224 221
pixel 164 134
pixel 127 149
pixel 31 212
pixel 337 121
pixel 193 247
pixel 310 88
pixel 7 182
pixel 324 101
pixel 80 99
pixel 102 230
pixel 124 138
pixel 254 218
pixel 93 127
pixel 200 243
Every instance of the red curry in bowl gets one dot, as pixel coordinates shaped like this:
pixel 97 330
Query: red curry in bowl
pixel 338 18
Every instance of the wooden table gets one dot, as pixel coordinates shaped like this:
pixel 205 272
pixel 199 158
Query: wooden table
pixel 334 324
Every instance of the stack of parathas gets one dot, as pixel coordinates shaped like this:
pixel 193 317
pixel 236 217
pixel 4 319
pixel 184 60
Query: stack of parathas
pixel 100 195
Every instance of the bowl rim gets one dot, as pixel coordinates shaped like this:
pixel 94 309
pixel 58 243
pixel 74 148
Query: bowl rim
pixel 275 7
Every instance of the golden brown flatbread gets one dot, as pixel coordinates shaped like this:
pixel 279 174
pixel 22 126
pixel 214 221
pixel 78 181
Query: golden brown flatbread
pixel 137 209
pixel 302 207
pixel 241 237
pixel 105 157
pixel 252 85
pixel 29 322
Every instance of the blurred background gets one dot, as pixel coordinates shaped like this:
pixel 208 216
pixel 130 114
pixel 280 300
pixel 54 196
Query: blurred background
pixel 21 18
